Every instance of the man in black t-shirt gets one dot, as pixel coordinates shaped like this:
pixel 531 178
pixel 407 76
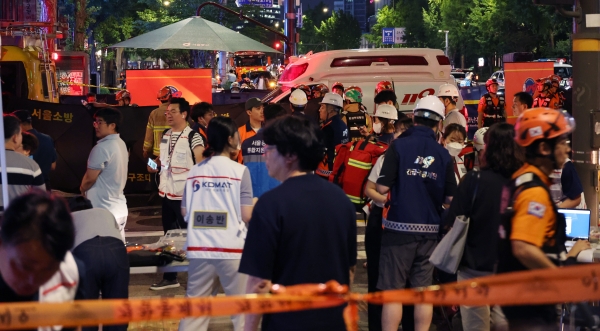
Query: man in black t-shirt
pixel 303 231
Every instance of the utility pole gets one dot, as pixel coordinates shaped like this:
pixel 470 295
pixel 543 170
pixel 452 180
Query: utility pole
pixel 290 27
pixel 586 99
pixel 446 32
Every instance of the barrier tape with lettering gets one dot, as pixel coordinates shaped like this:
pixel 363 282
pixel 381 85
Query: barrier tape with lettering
pixel 88 85
pixel 544 286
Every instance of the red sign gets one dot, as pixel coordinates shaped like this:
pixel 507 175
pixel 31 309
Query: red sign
pixel 521 77
pixel 70 82
pixel 194 84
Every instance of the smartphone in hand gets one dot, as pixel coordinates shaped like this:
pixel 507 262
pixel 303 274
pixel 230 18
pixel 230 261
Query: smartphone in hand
pixel 152 164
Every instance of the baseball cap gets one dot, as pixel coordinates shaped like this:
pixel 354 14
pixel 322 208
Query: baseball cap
pixel 253 102
pixel 333 99
pixel 23 115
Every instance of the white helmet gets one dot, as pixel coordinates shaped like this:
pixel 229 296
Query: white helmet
pixel 478 142
pixel 386 111
pixel 333 99
pixel 448 90
pixel 298 98
pixel 430 107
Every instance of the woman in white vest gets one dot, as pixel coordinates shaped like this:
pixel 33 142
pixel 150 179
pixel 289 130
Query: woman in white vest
pixel 217 204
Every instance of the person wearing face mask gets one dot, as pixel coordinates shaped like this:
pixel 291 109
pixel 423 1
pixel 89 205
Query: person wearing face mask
pixel 383 123
pixel 454 141
pixel 477 196
pixel 217 204
pixel 448 95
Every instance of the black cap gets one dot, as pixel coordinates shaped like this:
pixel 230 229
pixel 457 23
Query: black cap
pixel 23 115
pixel 253 102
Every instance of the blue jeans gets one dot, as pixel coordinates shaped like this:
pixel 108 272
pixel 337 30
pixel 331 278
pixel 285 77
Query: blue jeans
pixel 107 271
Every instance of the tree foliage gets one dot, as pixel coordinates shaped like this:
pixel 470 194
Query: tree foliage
pixel 340 31
pixel 477 28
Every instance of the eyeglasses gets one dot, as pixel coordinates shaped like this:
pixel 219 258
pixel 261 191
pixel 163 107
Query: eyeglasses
pixel 97 123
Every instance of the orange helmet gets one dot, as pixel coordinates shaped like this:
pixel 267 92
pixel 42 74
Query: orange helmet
pixel 167 92
pixel 490 82
pixel 123 94
pixel 383 86
pixel 542 123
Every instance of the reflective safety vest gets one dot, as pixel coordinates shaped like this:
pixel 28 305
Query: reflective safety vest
pixel 213 205
pixel 175 162
pixel 493 114
pixel 553 101
pixel 355 117
pixel 554 248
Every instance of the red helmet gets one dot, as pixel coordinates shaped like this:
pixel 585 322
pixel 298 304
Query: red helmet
pixel 319 89
pixel 168 92
pixel 383 86
pixel 337 85
pixel 123 94
pixel 490 82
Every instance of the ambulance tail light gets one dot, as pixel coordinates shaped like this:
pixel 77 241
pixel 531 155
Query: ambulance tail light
pixel 443 60
pixel 292 72
pixel 368 61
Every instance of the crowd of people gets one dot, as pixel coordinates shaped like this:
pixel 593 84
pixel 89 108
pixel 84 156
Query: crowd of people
pixel 260 207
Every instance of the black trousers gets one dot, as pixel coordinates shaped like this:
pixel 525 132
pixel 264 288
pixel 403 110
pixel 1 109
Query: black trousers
pixel 107 271
pixel 171 220
pixel 373 234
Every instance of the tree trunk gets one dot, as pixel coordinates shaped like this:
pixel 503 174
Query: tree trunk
pixel 80 19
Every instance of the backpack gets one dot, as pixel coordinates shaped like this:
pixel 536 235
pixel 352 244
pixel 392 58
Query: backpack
pixel 352 165
pixel 190 138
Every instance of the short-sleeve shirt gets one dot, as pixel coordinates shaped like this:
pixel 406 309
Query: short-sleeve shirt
pixel 374 174
pixel 455 117
pixel 111 158
pixel 91 223
pixel 45 155
pixel 302 231
pixel 534 217
pixel 570 182
pixel 23 174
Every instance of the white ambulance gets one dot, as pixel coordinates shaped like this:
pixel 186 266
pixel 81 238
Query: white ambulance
pixel 414 72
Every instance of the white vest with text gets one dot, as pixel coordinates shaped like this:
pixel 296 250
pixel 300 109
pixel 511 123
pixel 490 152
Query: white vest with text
pixel 175 164
pixel 214 216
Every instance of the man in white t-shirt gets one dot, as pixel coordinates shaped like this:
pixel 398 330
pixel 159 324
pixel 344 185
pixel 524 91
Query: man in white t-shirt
pixel 106 174
pixel 448 94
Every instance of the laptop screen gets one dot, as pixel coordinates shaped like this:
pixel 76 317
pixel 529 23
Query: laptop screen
pixel 578 222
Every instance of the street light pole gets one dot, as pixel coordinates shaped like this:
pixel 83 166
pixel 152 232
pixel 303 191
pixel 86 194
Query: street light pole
pixel 446 32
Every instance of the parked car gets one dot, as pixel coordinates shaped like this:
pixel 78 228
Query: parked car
pixel 499 76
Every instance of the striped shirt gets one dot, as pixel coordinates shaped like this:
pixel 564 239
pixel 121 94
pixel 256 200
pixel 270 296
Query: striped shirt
pixel 22 174
pixel 196 140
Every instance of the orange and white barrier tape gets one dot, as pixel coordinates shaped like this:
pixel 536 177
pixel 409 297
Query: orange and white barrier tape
pixel 544 286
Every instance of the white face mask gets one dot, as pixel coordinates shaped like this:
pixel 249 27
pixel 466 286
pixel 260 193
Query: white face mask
pixel 454 148
pixel 377 127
